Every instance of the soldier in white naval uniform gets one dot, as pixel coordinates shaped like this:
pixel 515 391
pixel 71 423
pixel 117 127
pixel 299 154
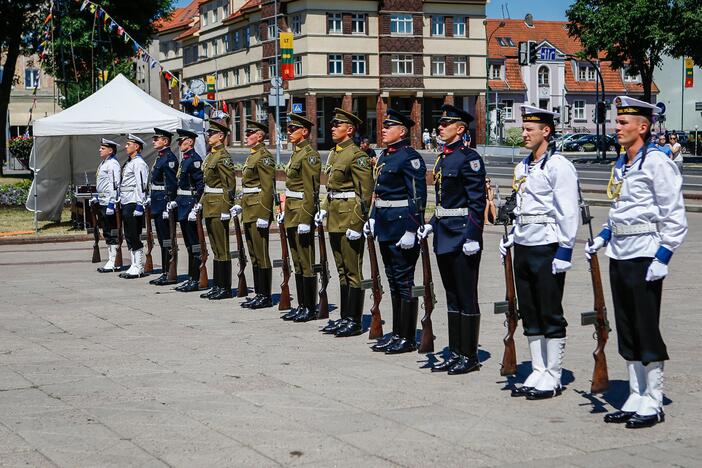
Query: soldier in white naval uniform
pixel 135 176
pixel 107 184
pixel 646 225
pixel 546 223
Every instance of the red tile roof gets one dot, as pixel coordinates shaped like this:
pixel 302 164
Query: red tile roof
pixel 245 8
pixel 180 18
pixel 556 34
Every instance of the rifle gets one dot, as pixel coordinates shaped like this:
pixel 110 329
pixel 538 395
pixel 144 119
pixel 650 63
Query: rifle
pixel 284 303
pixel 242 289
pixel 598 316
pixel 173 265
pixel 149 264
pixel 322 268
pixel 376 326
pixel 509 305
pixel 427 289
pixel 94 222
pixel 202 284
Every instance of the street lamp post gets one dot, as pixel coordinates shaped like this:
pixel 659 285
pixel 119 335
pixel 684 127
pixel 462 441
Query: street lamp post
pixel 276 78
pixel 597 91
pixel 487 81
pixel 696 127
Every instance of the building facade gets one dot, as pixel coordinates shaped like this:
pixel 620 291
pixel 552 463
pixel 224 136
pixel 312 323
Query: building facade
pixel 360 55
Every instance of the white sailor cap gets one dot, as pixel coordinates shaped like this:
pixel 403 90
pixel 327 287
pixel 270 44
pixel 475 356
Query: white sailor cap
pixel 627 105
pixel 537 115
pixel 135 139
pixel 108 143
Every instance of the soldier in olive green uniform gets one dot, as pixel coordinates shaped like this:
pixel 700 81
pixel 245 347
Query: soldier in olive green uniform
pixel 258 187
pixel 220 183
pixel 349 191
pixel 301 194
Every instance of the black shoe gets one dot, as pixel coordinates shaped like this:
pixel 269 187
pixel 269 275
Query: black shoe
pixel 247 303
pixel 291 314
pixel 107 270
pixel 351 328
pixel 333 326
pixel 211 292
pixel 384 344
pixel 535 394
pixel 305 315
pixel 522 391
pixel 222 293
pixel 465 364
pixel 182 286
pixel 402 345
pixel 216 275
pixel 309 300
pixel 263 303
pixel 619 417
pixel 637 421
pixel 407 328
pixel 159 281
pixel 193 285
pixel 355 312
pixel 446 364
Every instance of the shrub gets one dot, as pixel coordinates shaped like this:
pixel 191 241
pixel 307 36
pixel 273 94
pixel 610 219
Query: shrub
pixel 14 194
pixel 21 148
pixel 513 137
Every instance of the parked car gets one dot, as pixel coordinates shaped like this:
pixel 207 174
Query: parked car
pixel 589 142
pixel 567 138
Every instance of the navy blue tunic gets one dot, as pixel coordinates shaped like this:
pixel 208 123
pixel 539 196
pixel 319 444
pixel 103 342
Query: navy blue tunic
pixel 163 173
pixel 190 178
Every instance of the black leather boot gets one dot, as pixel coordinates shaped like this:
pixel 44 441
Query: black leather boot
pixel 265 300
pixel 194 275
pixel 165 262
pixel 468 360
pixel 386 342
pixel 225 281
pixel 407 342
pixel 454 339
pixel 333 325
pixel 215 281
pixel 257 287
pixel 189 282
pixel 292 313
pixel 309 310
pixel 355 310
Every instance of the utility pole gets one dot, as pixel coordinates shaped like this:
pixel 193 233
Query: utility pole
pixel 278 83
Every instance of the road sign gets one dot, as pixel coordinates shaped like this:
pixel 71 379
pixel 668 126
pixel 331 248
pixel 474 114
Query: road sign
pixel 276 100
pixel 276 82
pixel 547 53
pixel 297 108
pixel 661 106
pixel 698 106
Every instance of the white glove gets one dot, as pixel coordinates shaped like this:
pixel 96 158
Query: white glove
pixel 506 244
pixel 407 240
pixel 369 228
pixel 597 243
pixel 197 207
pixel 192 216
pixel 171 205
pixel 424 231
pixel 147 202
pixel 110 210
pixel 656 271
pixel 560 266
pixel 261 223
pixel 303 228
pixel 280 217
pixel 352 235
pixel 319 217
pixel 94 200
pixel 471 247
pixel 225 216
pixel 164 215
pixel 235 210
pixel 139 210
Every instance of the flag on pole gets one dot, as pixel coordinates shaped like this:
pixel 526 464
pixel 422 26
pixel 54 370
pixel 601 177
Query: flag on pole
pixel 689 72
pixel 287 69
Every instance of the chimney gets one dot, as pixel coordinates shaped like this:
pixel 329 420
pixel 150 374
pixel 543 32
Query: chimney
pixel 529 20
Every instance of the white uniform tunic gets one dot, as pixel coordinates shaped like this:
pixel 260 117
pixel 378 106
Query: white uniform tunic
pixel 547 204
pixel 108 180
pixel 135 176
pixel 650 199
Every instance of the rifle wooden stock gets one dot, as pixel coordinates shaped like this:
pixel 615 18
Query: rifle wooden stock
pixel 96 233
pixel 427 343
pixel 149 263
pixel 600 378
pixel 203 280
pixel 120 235
pixel 242 289
pixel 173 265
pixel 323 311
pixel 509 358
pixel 376 326
pixel 284 303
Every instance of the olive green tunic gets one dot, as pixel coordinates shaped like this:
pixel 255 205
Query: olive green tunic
pixel 218 172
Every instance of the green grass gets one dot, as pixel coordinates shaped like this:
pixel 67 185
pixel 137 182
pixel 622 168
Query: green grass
pixel 13 219
pixel 11 180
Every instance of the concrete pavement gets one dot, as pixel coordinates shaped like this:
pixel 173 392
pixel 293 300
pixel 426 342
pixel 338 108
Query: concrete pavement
pixel 99 371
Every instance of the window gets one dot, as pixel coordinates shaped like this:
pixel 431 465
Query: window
pixel 296 25
pixel 508 111
pixel 586 73
pixel 334 23
pixel 438 65
pixel 257 72
pixel 214 15
pixel 438 26
pixel 460 66
pixel 204 19
pixel 631 77
pixel 459 26
pixel 247 36
pixel 31 78
pixel 358 64
pixel 237 80
pixel 501 42
pixel 336 64
pixel 272 71
pixel 225 79
pixel 358 23
pixel 225 39
pixel 495 71
pixel 237 40
pixel 508 41
pixel 215 48
pixel 298 65
pixel 272 33
pixel 401 24
pixel 402 64
pixel 247 75
pixel 544 76
pixel 590 73
pixel 579 110
pixel 205 52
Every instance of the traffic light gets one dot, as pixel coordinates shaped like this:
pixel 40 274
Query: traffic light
pixel 600 112
pixel 499 115
pixel 568 115
pixel 532 52
pixel 523 53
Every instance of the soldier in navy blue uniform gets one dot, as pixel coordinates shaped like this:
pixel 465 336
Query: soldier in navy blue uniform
pixel 400 198
pixel 190 187
pixel 459 178
pixel 164 185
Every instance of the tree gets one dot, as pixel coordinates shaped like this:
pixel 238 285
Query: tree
pixel 636 34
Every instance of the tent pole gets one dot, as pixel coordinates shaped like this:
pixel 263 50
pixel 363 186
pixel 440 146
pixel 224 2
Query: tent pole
pixel 36 192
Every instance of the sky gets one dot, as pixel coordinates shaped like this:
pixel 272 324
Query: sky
pixel 541 9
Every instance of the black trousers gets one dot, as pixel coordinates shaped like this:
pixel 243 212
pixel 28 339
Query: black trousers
pixel 109 226
pixel 459 275
pixel 163 229
pixel 132 227
pixel 189 230
pixel 637 310
pixel 539 291
pixel 399 268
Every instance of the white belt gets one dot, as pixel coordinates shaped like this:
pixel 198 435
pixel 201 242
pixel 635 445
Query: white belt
pixel 157 188
pixel 127 188
pixel 535 219
pixel 633 229
pixel 246 190
pixel 390 203
pixel 337 195
pixel 188 193
pixel 291 194
pixel 209 189
pixel 450 212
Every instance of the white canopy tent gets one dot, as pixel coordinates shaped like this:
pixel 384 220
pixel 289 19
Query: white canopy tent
pixel 66 145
